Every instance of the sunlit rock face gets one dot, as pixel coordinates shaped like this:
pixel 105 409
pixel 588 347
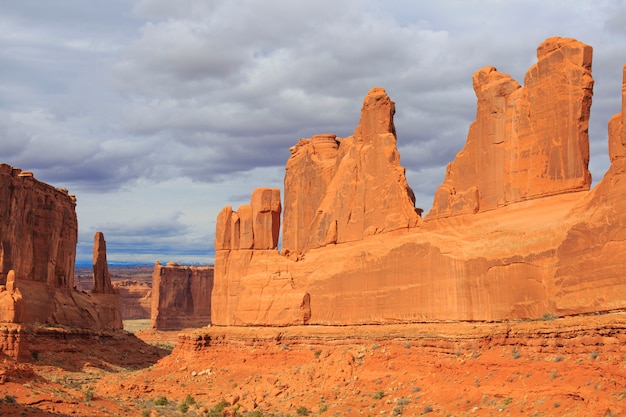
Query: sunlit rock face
pixel 526 142
pixel 514 232
pixel 341 190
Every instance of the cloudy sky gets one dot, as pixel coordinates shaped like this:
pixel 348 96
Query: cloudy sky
pixel 157 113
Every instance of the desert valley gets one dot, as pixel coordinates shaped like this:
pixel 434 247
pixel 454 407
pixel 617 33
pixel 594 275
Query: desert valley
pixel 506 297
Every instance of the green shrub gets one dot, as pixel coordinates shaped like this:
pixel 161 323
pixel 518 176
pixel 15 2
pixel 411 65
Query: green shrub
pixel 89 395
pixel 378 395
pixel 160 400
pixel 302 411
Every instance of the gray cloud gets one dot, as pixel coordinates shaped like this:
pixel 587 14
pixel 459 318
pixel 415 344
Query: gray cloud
pixel 103 98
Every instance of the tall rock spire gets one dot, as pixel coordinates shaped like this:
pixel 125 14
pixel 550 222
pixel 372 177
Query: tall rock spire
pixel 101 278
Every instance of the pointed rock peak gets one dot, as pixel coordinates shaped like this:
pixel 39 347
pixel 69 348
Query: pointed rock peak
pixel 488 82
pixel 376 115
pixel 101 278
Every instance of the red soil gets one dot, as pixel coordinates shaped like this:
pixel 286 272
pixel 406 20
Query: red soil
pixel 573 366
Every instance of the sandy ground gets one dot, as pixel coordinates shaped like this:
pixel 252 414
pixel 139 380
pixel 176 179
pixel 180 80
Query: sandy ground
pixel 559 367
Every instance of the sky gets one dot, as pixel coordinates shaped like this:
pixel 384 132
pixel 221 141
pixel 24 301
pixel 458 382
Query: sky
pixel 158 113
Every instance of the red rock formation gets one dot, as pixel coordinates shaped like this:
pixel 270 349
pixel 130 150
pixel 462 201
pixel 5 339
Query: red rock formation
pixel 254 226
pixel 249 236
pixel 341 190
pixel 11 302
pixel 38 234
pixel 591 265
pixel 135 299
pixel 526 142
pixel 507 237
pixel 101 277
pixel 617 132
pixel 181 296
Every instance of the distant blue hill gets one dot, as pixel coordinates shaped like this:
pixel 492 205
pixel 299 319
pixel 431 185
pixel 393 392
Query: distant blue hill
pixel 84 264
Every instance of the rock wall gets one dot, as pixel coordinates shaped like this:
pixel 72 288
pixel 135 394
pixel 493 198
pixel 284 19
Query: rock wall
pixel 38 235
pixel 181 296
pixel 245 239
pixel 526 142
pixel 514 232
pixel 135 299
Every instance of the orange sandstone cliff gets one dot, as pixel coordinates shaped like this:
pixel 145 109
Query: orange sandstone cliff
pixel 38 235
pixel 514 232
pixel 526 142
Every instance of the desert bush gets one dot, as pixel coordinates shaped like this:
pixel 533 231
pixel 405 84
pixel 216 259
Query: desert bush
pixel 9 399
pixel 160 400
pixel 89 394
pixel 302 411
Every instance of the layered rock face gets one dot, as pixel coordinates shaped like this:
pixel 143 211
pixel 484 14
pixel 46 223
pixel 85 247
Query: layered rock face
pixel 342 190
pixel 135 299
pixel 526 142
pixel 38 230
pixel 514 232
pixel 249 237
pixel 38 235
pixel 590 262
pixel 181 296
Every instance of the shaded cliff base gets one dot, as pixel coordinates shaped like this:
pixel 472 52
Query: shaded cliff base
pixel 566 366
pixel 58 368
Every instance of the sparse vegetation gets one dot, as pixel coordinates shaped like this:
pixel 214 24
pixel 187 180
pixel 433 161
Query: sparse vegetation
pixel 89 394
pixel 515 353
pixel 594 355
pixel 317 353
pixel 378 395
pixel 302 411
pixel 9 399
pixel 160 401
pixel 548 317
pixel 165 346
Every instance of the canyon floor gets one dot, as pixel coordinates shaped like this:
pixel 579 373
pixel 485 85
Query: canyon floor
pixel 574 366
